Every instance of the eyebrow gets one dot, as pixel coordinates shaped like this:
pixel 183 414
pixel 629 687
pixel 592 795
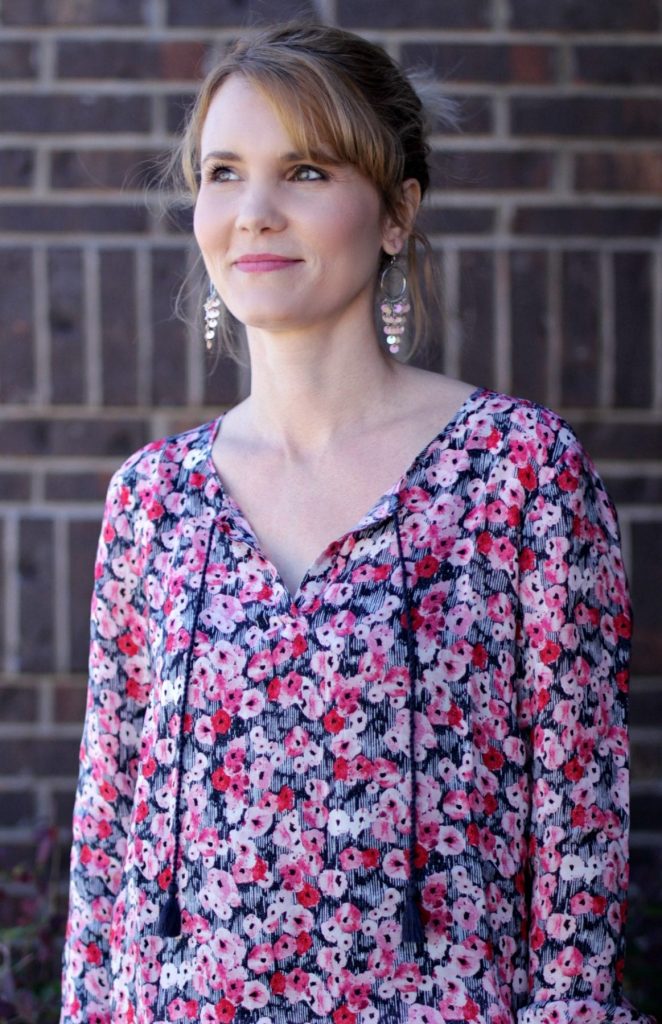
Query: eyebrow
pixel 292 156
pixel 227 154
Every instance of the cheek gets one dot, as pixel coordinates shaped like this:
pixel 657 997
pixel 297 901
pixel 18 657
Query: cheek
pixel 207 224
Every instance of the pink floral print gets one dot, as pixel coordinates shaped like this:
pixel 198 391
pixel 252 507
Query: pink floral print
pixel 295 790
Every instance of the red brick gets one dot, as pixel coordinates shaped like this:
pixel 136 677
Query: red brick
pixel 74 114
pixel 69 701
pixel 645 759
pixel 37 589
pixel 640 490
pixel 476 309
pixel 619 171
pixel 18 703
pixel 14 487
pixel 214 14
pixel 476 114
pixel 17 808
pixel 83 538
pixel 457 220
pixel 621 440
pixel 177 108
pixel 221 383
pixel 580 328
pixel 73 487
pixel 605 222
pixel 64 808
pixel 618 65
pixel 483 62
pixel 16 316
pixel 587 15
pixel 496 169
pixel 120 169
pixel 587 116
pixel 18 60
pixel 119 352
pixel 43 758
pixel 169 364
pixel 633 282
pixel 126 59
pixel 75 12
pixel 417 13
pixel 529 318
pixel 16 168
pixel 645 705
pixel 85 436
pixel 47 218
pixel 67 325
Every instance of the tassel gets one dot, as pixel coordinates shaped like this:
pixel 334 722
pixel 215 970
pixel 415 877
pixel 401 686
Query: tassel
pixel 170 918
pixel 412 926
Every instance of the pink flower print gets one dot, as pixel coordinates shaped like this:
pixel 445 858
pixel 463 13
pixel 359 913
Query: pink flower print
pixel 297 921
pixel 463 961
pixel 204 730
pixel 260 666
pixel 424 1015
pixel 396 864
pixel 465 913
pixel 450 841
pixel 456 805
pixel 290 872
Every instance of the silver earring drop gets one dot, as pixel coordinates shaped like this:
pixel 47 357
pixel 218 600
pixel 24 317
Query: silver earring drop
pixel 212 308
pixel 394 305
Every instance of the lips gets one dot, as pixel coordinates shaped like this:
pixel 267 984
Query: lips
pixel 261 262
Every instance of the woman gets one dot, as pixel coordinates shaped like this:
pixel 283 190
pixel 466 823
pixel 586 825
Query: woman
pixel 355 749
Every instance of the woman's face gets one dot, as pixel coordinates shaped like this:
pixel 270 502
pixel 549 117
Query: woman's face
pixel 288 244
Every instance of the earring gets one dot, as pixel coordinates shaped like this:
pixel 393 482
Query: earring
pixel 212 308
pixel 394 306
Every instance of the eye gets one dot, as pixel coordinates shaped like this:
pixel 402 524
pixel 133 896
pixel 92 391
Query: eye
pixel 306 172
pixel 219 172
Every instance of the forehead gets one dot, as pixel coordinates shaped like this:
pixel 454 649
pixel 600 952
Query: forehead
pixel 243 110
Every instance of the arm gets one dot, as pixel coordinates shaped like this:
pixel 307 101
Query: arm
pixel 116 699
pixel 574 649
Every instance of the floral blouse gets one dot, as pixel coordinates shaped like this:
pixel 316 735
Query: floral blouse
pixel 398 796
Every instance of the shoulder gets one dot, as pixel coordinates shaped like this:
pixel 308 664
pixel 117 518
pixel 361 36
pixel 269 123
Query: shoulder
pixel 143 484
pixel 521 430
pixel 179 452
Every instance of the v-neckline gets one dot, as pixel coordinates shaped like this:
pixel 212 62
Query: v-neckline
pixel 378 510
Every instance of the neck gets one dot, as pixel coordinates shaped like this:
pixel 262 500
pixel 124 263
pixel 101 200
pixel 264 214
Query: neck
pixel 309 391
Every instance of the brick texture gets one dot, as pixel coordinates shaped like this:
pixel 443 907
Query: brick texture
pixel 546 216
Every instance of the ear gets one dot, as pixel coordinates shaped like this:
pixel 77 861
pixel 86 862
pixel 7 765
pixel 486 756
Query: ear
pixel 395 234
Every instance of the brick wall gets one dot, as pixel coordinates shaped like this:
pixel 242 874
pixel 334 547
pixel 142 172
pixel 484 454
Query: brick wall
pixel 547 217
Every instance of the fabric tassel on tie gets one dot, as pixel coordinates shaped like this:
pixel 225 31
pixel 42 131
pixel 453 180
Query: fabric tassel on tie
pixel 170 919
pixel 412 926
pixel 169 925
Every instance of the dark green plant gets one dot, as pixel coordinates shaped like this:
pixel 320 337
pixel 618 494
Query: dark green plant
pixel 31 934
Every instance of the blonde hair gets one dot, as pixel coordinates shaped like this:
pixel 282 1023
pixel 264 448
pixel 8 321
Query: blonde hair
pixel 332 89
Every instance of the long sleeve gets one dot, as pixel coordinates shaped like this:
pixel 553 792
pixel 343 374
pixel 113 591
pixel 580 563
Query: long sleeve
pixel 116 699
pixel 574 646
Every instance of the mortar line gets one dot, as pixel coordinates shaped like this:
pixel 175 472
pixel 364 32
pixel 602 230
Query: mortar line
pixel 62 604
pixel 93 333
pixel 607 370
pixel 554 328
pixel 656 327
pixel 11 618
pixel 42 339
pixel 451 283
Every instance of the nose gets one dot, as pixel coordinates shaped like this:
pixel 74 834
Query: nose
pixel 259 210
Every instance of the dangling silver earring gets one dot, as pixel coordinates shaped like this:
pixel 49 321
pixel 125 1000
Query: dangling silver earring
pixel 212 308
pixel 394 305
